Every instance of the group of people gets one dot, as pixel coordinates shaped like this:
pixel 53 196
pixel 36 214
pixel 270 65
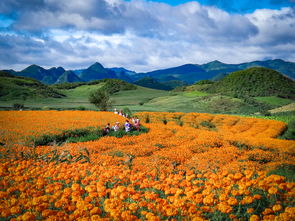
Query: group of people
pixel 121 113
pixel 134 125
pixel 128 126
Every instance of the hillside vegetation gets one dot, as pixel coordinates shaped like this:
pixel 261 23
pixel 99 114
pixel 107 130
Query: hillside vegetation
pixel 254 82
pixel 13 87
pixel 152 83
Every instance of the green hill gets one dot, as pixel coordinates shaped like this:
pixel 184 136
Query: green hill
pixel 68 76
pixel 13 87
pixel 254 82
pixel 152 83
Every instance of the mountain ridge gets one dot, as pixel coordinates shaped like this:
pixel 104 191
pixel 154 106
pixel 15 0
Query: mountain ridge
pixel 188 73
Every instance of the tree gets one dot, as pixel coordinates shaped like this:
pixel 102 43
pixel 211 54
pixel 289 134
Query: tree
pixel 100 99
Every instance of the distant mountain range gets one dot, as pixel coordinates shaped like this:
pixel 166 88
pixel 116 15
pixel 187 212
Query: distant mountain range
pixel 161 79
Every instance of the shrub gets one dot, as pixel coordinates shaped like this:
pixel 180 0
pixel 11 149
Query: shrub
pixel 80 135
pixel 126 110
pixel 45 108
pixel 18 106
pixel 116 153
pixel 81 108
pixel 101 99
pixel 147 118
pixel 290 132
pixel 164 121
pixel 208 124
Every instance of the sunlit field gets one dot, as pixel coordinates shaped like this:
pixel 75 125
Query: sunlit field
pixel 186 167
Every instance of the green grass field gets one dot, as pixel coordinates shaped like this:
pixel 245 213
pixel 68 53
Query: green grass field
pixel 133 99
pixel 194 93
pixel 146 99
pixel 286 117
pixel 274 101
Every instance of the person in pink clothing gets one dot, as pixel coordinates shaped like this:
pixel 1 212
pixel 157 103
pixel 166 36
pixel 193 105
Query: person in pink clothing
pixel 137 124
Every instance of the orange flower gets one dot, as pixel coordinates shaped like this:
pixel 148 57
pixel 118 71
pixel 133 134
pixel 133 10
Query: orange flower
pixel 224 208
pixel 250 210
pixel 254 218
pixel 273 190
pixel 232 201
pixel 277 208
pixel 95 211
pixel 28 216
pixel 208 200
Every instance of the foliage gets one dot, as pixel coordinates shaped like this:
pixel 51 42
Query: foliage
pixel 79 135
pixel 18 106
pixel 286 117
pixel 254 82
pixel 286 170
pixel 208 125
pixel 274 101
pixel 201 82
pixel 289 134
pixel 152 83
pixel 112 86
pixel 73 85
pixel 81 108
pixel 67 135
pixel 100 99
pixel 13 87
pixel 127 111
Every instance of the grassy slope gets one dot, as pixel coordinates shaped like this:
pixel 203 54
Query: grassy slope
pixel 12 87
pixel 137 100
pixel 285 108
pixel 146 99
pixel 79 97
pixel 286 117
pixel 274 101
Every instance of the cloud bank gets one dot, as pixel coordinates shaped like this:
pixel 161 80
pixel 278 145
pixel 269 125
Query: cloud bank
pixel 138 35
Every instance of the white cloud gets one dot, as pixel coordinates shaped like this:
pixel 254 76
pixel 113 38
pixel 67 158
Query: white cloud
pixel 142 35
pixel 275 26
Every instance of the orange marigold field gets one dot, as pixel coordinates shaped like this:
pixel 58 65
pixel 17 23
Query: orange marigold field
pixel 187 167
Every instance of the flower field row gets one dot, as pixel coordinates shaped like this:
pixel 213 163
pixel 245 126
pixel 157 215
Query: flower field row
pixel 182 169
pixel 18 126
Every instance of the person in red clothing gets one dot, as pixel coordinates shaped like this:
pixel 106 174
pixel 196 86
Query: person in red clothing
pixel 137 124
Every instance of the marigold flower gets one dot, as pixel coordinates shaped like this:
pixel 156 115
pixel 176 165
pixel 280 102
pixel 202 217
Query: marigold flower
pixel 277 208
pixel 208 200
pixel 224 208
pixel 5 213
pixel 28 216
pixel 15 210
pixel 250 210
pixel 197 218
pixel 273 190
pixel 254 218
pixel 269 217
pixel 232 201
pixel 267 211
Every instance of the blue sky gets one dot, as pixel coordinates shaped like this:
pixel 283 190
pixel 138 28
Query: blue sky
pixel 236 6
pixel 144 35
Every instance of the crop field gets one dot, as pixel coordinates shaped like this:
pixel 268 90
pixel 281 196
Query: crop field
pixel 187 166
